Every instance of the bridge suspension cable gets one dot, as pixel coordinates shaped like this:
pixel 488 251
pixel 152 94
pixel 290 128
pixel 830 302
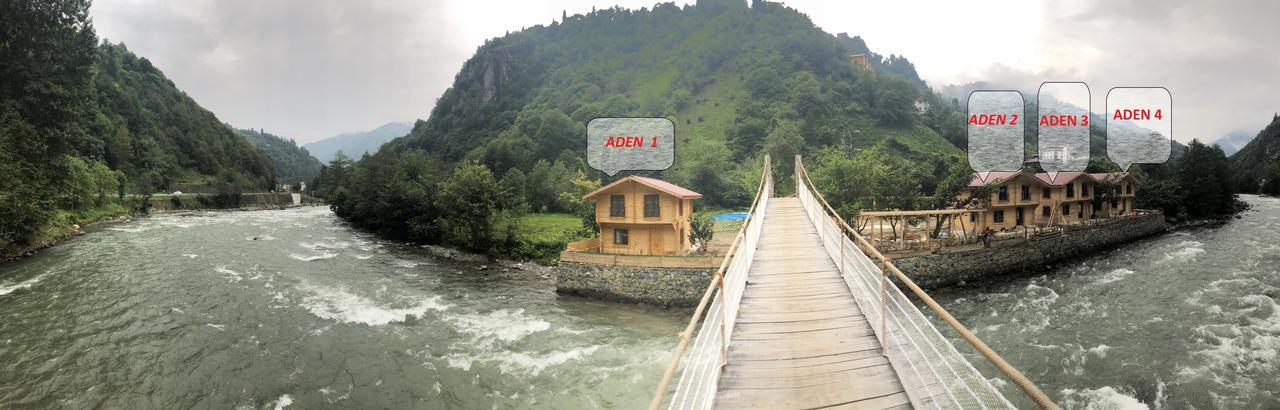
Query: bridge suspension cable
pixel 910 341
pixel 698 380
pixel 931 371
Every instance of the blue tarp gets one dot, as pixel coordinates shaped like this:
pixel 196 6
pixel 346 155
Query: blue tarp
pixel 732 216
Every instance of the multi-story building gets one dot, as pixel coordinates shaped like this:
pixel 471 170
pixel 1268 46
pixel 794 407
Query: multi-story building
pixel 643 216
pixel 1024 199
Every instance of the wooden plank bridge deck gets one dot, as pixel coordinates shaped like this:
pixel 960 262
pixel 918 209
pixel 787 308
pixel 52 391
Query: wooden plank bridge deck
pixel 800 340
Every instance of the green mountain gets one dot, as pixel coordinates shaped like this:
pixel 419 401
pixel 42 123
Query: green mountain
pixel 157 135
pixel 737 81
pixel 83 122
pixel 356 144
pixel 292 163
pixel 1257 164
pixel 728 75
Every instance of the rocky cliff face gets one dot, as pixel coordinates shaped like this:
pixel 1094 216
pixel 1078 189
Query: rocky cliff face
pixel 497 72
pixel 1256 160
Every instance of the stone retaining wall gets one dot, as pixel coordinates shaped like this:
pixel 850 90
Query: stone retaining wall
pixel 946 269
pixel 667 287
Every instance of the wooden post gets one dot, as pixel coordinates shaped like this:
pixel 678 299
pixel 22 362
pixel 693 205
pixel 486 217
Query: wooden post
pixel 884 314
pixel 724 341
pixel 841 245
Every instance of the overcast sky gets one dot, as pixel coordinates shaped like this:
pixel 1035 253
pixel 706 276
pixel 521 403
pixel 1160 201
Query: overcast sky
pixel 309 69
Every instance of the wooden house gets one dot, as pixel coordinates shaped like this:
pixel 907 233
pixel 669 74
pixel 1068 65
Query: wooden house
pixel 1024 199
pixel 643 216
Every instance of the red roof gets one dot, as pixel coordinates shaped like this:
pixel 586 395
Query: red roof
pixel 1062 179
pixel 1002 176
pixel 993 177
pixel 657 184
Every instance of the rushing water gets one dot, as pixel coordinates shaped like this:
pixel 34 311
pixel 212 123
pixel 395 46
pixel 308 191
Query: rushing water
pixel 1183 320
pixel 182 311
pixel 265 309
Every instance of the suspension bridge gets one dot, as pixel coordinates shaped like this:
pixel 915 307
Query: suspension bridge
pixel 803 312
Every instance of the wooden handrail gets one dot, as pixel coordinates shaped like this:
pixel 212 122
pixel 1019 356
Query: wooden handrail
pixel 1009 371
pixel 663 385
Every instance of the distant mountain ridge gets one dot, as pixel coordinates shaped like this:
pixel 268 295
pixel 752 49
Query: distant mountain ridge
pixel 293 164
pixel 1233 141
pixel 355 144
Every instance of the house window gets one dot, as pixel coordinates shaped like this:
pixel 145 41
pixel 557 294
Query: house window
pixel 680 207
pixel 1066 209
pixel 998 216
pixel 1071 190
pixel 1084 189
pixel 1047 193
pixel 1004 193
pixel 617 205
pixel 1128 189
pixel 1044 211
pixel 620 236
pixel 973 217
pixel 1026 193
pixel 651 206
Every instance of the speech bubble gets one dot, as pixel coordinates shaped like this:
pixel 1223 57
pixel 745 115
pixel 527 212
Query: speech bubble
pixel 995 125
pixel 630 144
pixel 1063 139
pixel 1139 125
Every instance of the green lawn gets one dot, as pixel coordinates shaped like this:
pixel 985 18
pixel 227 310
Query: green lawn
pixel 549 226
pixel 543 236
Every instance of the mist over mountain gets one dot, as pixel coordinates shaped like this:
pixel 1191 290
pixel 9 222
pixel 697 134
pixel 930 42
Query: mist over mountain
pixel 1234 141
pixel 356 144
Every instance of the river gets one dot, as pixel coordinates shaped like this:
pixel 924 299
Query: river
pixel 270 308
pixel 178 311
pixel 1183 320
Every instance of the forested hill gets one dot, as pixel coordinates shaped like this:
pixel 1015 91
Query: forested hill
pixel 292 163
pixel 157 135
pixel 730 75
pixel 737 81
pixel 82 122
pixel 1257 164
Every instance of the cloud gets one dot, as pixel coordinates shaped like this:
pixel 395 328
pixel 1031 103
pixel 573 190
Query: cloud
pixel 1214 58
pixel 308 69
pixel 299 68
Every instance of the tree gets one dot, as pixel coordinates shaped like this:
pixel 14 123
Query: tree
pixel 747 137
pixel 512 188
pixel 23 204
pixel 468 201
pixel 583 208
pixel 701 230
pixel 849 183
pixel 783 144
pixel 1204 174
pixel 46 63
pixel 1271 184
pixel 77 186
pixel 106 181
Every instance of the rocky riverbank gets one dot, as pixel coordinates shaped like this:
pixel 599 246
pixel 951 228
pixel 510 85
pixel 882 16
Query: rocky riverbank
pixel 985 264
pixel 666 287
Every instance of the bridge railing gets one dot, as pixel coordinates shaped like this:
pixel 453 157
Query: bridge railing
pixel 701 372
pixel 933 372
